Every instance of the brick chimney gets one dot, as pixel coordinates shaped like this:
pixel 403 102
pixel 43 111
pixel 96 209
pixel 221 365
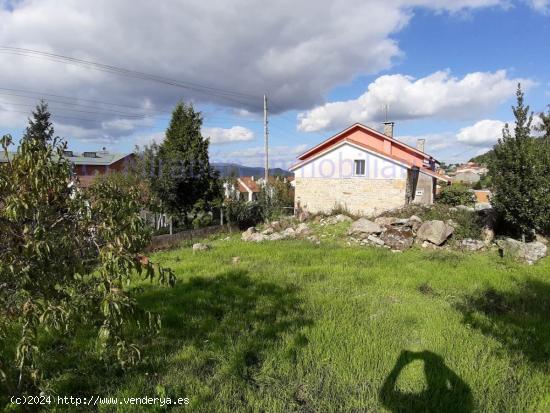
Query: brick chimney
pixel 421 144
pixel 388 129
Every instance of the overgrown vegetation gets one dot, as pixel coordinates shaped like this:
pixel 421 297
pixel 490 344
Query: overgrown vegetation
pixel 244 214
pixel 455 194
pixel 66 258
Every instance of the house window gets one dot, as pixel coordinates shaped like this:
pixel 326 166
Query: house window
pixel 359 167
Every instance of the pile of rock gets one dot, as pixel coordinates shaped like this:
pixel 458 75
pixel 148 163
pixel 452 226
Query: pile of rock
pixel 400 233
pixel 274 232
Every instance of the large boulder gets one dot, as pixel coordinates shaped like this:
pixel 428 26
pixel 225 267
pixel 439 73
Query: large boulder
pixel 397 239
pixel 365 226
pixel 469 244
pixel 436 232
pixel 530 252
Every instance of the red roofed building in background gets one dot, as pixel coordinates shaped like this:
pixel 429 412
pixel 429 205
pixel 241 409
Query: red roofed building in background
pixel 365 171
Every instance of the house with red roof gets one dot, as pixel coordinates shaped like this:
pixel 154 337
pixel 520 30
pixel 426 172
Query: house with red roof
pixel 364 171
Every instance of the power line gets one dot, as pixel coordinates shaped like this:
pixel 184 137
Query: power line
pixel 216 91
pixel 42 94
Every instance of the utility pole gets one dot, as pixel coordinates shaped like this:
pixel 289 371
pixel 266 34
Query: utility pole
pixel 266 138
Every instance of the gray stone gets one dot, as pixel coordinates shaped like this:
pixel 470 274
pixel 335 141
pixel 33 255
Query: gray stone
pixel 276 225
pixel 542 239
pixel 384 221
pixel 530 252
pixel 397 239
pixel 275 237
pixel 415 222
pixel 436 232
pixel 288 233
pixel 200 247
pixel 470 244
pixel 487 235
pixel 268 231
pixel 302 229
pixel 375 240
pixel 251 235
pixel 365 226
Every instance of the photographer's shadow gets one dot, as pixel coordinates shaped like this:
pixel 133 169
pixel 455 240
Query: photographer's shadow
pixel 445 392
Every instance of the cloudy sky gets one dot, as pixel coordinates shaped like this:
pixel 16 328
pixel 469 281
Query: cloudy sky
pixel 113 70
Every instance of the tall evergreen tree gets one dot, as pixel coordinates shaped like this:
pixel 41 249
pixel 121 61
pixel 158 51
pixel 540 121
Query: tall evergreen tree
pixel 40 128
pixel 519 175
pixel 544 125
pixel 182 177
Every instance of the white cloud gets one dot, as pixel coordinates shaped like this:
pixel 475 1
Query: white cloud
pixel 483 133
pixel 438 94
pixel 228 135
pixel 542 6
pixel 296 52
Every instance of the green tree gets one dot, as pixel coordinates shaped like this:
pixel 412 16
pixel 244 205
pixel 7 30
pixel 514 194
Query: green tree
pixel 179 168
pixel 520 176
pixel 66 258
pixel 544 125
pixel 40 129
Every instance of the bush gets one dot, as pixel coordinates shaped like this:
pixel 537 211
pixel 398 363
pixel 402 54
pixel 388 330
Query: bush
pixel 455 195
pixel 244 214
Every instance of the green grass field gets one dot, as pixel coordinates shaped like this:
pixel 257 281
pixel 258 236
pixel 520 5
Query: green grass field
pixel 301 327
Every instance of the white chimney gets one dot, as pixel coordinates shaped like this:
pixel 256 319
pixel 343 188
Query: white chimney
pixel 421 144
pixel 388 129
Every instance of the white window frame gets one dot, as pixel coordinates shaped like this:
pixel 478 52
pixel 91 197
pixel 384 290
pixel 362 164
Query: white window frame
pixel 357 162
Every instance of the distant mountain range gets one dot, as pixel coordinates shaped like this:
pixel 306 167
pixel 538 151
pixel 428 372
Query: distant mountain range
pixel 236 170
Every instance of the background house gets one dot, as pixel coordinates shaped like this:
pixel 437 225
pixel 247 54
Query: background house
pixel 245 188
pixel 365 171
pixel 88 165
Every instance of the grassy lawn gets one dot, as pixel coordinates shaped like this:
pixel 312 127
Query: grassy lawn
pixel 295 326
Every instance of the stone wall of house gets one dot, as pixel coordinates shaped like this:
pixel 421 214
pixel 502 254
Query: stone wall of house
pixel 362 196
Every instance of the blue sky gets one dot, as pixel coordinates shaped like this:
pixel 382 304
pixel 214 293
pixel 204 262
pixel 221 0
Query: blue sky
pixel 446 69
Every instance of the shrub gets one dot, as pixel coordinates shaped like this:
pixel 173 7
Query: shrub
pixel 66 259
pixel 244 214
pixel 455 195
